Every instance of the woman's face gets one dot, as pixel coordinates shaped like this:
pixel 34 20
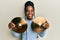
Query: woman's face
pixel 29 12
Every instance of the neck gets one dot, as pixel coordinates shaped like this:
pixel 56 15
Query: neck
pixel 29 18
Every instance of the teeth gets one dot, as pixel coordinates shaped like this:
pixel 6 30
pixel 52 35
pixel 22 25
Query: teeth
pixel 30 15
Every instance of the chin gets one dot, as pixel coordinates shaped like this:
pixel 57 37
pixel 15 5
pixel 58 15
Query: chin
pixel 30 18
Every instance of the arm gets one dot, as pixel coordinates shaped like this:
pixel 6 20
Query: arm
pixel 42 34
pixel 45 25
pixel 14 33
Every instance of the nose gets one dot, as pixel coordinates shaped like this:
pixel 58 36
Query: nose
pixel 29 12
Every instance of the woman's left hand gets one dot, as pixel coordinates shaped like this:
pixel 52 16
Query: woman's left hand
pixel 46 25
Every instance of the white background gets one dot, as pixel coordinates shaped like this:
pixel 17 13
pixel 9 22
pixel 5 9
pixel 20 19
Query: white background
pixel 50 9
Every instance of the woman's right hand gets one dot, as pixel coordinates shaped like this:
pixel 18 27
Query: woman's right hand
pixel 11 25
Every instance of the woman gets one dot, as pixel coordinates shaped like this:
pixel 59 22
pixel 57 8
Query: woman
pixel 29 16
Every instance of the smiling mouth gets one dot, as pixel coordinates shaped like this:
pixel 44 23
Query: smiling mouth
pixel 30 15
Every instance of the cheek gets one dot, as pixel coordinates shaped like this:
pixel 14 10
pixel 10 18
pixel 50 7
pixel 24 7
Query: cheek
pixel 32 13
pixel 26 13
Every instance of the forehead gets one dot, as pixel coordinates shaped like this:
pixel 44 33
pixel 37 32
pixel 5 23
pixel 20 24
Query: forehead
pixel 29 8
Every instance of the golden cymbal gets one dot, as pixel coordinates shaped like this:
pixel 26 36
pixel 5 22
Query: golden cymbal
pixel 37 24
pixel 20 25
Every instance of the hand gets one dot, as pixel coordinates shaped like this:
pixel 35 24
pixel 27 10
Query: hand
pixel 46 25
pixel 11 25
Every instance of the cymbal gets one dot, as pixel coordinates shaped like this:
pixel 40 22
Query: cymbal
pixel 37 24
pixel 20 24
